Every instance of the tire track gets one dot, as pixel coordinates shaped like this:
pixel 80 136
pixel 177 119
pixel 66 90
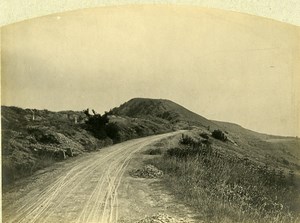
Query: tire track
pixel 38 206
pixel 112 193
pixel 82 180
pixel 96 196
pixel 88 192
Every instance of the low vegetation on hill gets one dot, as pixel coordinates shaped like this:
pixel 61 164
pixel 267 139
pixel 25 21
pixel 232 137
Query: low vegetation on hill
pixel 33 139
pixel 224 185
pixel 225 172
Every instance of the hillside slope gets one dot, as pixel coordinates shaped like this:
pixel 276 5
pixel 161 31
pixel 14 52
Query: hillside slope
pixel 242 168
pixel 33 139
pixel 277 151
pixel 273 150
pixel 162 109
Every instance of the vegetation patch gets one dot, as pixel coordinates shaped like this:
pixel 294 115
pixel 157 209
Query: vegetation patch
pixel 220 135
pixel 226 188
pixel 148 171
pixel 33 139
pixel 154 151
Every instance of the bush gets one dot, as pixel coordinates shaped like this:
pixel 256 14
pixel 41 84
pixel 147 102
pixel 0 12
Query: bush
pixel 96 124
pixel 186 140
pixel 189 141
pixel 218 134
pixel 188 152
pixel 154 151
pixel 113 132
pixel 43 135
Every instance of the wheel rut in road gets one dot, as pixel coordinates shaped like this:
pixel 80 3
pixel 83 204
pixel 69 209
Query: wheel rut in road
pixel 87 192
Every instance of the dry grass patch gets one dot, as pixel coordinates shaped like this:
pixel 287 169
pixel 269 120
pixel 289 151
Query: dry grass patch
pixel 226 188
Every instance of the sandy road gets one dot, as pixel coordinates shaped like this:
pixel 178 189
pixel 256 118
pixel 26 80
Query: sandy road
pixel 86 192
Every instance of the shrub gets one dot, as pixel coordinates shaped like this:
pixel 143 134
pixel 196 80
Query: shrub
pixel 96 124
pixel 218 134
pixel 190 151
pixel 43 135
pixel 153 151
pixel 189 141
pixel 186 140
pixel 113 132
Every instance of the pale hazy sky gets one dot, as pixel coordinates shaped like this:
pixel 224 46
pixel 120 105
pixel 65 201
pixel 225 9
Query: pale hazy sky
pixel 221 65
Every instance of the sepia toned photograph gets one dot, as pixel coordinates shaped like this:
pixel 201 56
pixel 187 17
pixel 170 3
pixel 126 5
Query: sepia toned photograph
pixel 150 114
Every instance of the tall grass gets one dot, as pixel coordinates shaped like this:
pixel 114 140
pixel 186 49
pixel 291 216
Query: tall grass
pixel 12 171
pixel 226 188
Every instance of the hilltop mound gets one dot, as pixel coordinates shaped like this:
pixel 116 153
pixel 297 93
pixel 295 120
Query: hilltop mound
pixel 162 109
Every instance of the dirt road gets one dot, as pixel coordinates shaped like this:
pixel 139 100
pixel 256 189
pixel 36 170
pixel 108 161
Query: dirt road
pixel 83 191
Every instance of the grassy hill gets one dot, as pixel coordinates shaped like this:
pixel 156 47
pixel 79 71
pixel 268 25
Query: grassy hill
pixel 274 150
pixel 277 151
pixel 162 110
pixel 242 176
pixel 33 139
pixel 29 144
pixel 227 181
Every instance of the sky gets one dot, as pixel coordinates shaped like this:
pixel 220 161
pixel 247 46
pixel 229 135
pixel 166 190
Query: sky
pixel 222 65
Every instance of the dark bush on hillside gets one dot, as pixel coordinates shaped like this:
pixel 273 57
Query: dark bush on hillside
pixel 218 134
pixel 153 151
pixel 186 140
pixel 189 141
pixel 113 132
pixel 96 124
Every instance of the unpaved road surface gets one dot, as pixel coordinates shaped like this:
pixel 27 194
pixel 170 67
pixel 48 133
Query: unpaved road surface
pixel 85 190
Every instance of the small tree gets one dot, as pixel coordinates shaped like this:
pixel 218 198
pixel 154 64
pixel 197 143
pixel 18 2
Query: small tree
pixel 96 123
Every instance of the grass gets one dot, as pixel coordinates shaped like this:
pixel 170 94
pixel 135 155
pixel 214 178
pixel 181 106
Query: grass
pixel 11 172
pixel 153 151
pixel 226 188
